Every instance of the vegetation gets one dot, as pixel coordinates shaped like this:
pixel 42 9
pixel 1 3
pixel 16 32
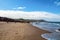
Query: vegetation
pixel 19 20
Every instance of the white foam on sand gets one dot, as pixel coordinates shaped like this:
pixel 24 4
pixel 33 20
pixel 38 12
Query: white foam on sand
pixel 51 36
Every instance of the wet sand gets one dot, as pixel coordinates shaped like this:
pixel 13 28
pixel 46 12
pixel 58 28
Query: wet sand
pixel 20 31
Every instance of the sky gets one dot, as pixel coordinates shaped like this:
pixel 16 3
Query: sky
pixel 31 9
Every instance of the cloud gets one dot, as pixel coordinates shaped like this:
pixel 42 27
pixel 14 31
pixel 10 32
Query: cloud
pixel 30 15
pixel 57 3
pixel 22 7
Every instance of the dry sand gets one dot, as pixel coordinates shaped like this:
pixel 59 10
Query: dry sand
pixel 20 31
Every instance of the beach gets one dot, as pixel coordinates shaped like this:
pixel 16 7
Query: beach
pixel 20 31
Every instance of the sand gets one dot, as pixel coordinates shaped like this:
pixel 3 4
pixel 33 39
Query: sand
pixel 20 31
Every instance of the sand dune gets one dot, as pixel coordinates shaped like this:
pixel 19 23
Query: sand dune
pixel 20 31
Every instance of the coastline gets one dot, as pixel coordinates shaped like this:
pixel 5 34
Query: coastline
pixel 20 31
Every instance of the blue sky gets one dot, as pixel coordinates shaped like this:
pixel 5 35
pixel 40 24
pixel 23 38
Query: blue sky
pixel 31 5
pixel 50 6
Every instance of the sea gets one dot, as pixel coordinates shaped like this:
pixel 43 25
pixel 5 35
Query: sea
pixel 51 27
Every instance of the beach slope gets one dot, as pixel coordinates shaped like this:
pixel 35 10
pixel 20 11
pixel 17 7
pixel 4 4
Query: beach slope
pixel 20 31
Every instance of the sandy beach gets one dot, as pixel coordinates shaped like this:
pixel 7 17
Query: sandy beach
pixel 20 31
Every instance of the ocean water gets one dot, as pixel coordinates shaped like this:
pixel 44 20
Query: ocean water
pixel 51 27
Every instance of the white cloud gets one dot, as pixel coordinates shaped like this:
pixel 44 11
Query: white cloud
pixel 57 3
pixel 30 15
pixel 22 7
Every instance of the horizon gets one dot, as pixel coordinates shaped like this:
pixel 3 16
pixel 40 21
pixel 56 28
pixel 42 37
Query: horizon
pixel 31 9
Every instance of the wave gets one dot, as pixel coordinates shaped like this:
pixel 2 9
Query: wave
pixel 47 26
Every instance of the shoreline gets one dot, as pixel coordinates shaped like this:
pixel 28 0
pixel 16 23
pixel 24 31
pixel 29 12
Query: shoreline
pixel 20 31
